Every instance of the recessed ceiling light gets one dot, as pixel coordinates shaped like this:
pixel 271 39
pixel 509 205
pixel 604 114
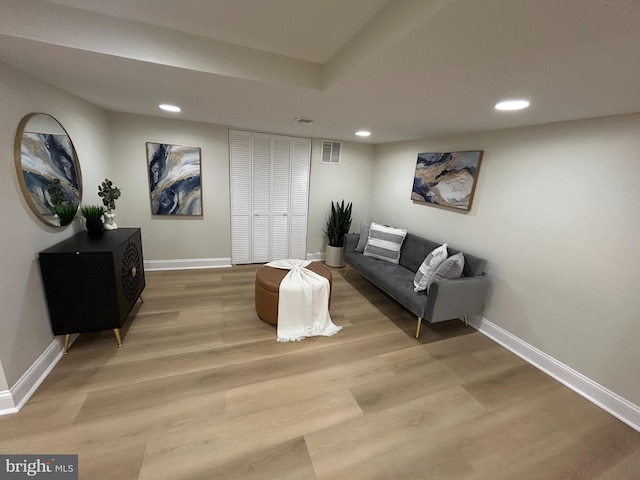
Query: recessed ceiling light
pixel 363 133
pixel 169 108
pixel 512 105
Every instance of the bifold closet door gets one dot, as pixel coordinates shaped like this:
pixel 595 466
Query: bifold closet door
pixel 269 196
pixel 299 205
pixel 261 159
pixel 240 176
pixel 280 197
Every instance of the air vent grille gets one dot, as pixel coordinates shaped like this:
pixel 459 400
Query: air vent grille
pixel 304 120
pixel 331 152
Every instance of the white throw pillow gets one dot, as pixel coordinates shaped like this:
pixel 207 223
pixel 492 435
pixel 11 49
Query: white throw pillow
pixel 384 243
pixel 451 268
pixel 428 267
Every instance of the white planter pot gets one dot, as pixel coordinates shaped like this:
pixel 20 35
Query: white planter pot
pixel 335 257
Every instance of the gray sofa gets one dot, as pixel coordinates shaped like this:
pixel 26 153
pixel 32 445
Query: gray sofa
pixel 446 300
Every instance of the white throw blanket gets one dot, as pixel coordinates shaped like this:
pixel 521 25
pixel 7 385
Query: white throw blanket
pixel 303 304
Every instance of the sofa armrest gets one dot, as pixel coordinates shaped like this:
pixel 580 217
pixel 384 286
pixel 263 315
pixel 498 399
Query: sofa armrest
pixel 351 241
pixel 456 298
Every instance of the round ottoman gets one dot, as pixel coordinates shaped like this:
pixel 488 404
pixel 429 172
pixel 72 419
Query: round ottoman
pixel 268 285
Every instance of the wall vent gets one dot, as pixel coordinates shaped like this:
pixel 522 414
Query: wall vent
pixel 331 152
pixel 303 120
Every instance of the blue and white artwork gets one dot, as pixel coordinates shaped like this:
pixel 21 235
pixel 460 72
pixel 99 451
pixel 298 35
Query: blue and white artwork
pixel 47 159
pixel 447 179
pixel 174 179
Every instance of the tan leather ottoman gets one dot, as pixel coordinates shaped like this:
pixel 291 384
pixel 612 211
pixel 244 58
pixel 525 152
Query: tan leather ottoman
pixel 268 286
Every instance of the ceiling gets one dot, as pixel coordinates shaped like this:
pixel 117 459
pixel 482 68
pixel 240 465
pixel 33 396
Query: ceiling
pixel 403 69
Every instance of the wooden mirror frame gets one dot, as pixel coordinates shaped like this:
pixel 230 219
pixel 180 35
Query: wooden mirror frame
pixel 41 157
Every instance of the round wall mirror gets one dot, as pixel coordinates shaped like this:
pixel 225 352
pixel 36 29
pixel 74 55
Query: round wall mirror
pixel 48 169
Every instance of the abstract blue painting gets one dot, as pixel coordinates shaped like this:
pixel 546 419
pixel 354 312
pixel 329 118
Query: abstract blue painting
pixel 174 179
pixel 447 179
pixel 47 159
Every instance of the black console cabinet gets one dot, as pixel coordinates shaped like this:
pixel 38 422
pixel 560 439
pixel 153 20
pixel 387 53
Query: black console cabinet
pixel 92 282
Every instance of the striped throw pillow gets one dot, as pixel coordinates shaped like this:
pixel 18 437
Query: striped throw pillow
pixel 384 242
pixel 428 268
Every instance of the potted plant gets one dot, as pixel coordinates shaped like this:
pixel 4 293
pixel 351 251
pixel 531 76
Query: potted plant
pixel 109 195
pixel 338 225
pixel 93 218
pixel 66 213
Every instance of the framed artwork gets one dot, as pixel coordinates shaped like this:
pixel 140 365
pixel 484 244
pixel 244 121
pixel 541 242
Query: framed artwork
pixel 174 179
pixel 47 168
pixel 447 179
pixel 49 158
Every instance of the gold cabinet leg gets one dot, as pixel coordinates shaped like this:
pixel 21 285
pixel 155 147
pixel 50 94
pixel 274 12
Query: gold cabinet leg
pixel 346 270
pixel 67 337
pixel 116 331
pixel 418 329
pixel 141 299
pixel 466 323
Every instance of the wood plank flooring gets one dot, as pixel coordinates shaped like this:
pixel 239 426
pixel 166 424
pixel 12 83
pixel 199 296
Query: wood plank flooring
pixel 202 390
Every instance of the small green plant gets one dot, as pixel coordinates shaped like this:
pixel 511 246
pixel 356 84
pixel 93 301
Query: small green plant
pixel 338 223
pixel 92 212
pixel 109 194
pixel 66 213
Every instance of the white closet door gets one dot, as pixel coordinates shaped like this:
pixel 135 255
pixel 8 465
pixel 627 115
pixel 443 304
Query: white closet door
pixel 281 172
pixel 240 173
pixel 300 169
pixel 261 204
pixel 269 196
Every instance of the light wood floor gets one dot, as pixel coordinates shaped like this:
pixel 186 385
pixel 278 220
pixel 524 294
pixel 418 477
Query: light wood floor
pixel 201 390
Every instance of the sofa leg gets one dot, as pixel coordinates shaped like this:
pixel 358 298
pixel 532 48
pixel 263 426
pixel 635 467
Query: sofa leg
pixel 466 323
pixel 418 329
pixel 346 270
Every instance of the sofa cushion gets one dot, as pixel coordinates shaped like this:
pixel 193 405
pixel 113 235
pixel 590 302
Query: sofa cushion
pixel 395 281
pixel 428 268
pixel 414 250
pixel 384 243
pixel 450 268
pixel 473 266
pixel 364 236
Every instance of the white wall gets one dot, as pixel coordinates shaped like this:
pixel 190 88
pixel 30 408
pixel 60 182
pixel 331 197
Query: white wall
pixel 556 214
pixel 208 237
pixel 349 181
pixel 24 321
pixel 172 237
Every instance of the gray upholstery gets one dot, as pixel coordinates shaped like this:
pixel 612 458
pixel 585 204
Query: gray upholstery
pixel 415 249
pixel 448 299
pixel 362 241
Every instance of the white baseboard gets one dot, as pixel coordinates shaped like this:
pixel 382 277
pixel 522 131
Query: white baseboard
pixel 6 403
pixel 194 263
pixel 186 264
pixel 609 401
pixel 12 400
